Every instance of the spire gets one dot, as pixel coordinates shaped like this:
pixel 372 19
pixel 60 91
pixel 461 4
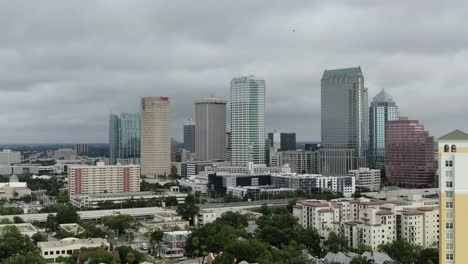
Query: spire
pixel 383 96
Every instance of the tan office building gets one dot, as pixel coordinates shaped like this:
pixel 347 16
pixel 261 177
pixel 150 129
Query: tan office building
pixel 155 136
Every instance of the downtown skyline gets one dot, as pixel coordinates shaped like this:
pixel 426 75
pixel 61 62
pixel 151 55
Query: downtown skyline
pixel 60 87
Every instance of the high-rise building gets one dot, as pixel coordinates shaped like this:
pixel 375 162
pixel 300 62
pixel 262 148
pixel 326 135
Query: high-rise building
pixel 453 203
pixel 81 149
pixel 300 161
pixel 382 109
pixel 84 179
pixel 9 157
pixel 189 135
pixel 288 141
pixel 124 138
pixel 247 113
pixel 155 136
pixel 229 146
pixel 344 121
pixel 366 179
pixel 409 154
pixel 275 140
pixel 173 150
pixel 210 129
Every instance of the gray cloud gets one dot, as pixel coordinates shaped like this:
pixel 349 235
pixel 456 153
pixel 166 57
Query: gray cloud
pixel 66 65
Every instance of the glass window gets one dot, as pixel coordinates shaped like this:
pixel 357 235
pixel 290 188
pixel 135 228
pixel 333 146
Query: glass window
pixel 449 236
pixel 448 163
pixel 449 225
pixel 449 184
pixel 449 194
pixel 454 148
pixel 446 148
pixel 449 205
pixel 449 173
pixel 449 256
pixel 449 246
pixel 449 215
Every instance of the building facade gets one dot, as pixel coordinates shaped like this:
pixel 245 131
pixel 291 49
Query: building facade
pixel 247 113
pixel 366 179
pixel 124 138
pixel 189 135
pixel 84 179
pixel 9 157
pixel 453 171
pixel 409 154
pixel 51 250
pixel 345 185
pixel 382 109
pixel 210 129
pixel 81 149
pixel 288 141
pixel 344 119
pixel 155 136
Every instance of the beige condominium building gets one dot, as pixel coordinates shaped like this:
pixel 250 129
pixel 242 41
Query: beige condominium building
pixel 453 175
pixel 155 136
pixel 103 179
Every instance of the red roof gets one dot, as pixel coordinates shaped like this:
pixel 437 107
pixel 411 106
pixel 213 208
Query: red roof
pixel 326 210
pixel 384 212
pixel 413 213
pixel 315 204
pixel 298 206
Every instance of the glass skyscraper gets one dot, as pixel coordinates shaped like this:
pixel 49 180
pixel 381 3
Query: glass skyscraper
pixel 124 138
pixel 382 109
pixel 344 119
pixel 189 135
pixel 247 113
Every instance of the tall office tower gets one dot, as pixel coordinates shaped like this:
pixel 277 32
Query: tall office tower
pixel 382 109
pixel 210 129
pixel 273 145
pixel 344 121
pixel 409 154
pixel 453 204
pixel 173 150
pixel 155 136
pixel 288 141
pixel 247 114
pixel 189 135
pixel 81 149
pixel 275 140
pixel 229 146
pixel 124 138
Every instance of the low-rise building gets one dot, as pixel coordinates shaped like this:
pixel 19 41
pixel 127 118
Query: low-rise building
pixel 249 169
pixel 65 154
pixel 72 228
pixel 174 243
pixel 256 191
pixel 14 189
pixel 51 250
pixel 165 221
pixel 366 179
pixel 93 200
pixel 26 229
pixel 206 216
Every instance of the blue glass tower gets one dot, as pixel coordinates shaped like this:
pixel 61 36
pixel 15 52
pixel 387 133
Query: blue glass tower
pixel 124 138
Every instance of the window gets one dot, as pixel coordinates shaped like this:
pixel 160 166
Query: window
pixel 449 256
pixel 449 236
pixel 449 215
pixel 446 148
pixel 449 194
pixel 448 173
pixel 454 148
pixel 449 184
pixel 449 205
pixel 449 225
pixel 448 163
pixel 46 253
pixel 449 246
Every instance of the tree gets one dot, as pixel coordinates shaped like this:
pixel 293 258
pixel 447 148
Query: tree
pixel 12 242
pixel 361 260
pixel 96 256
pixel 428 256
pixel 18 220
pixel 30 257
pixel 38 237
pixel 67 214
pixel 234 219
pixel 248 250
pixel 130 255
pixel 310 238
pixel 336 243
pixel 118 223
pixel 363 248
pixel 51 223
pixel 188 209
pixel 63 197
pixel 156 236
pixel 401 251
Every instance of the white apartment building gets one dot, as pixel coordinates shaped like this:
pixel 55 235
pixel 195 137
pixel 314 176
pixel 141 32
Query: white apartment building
pixel 174 243
pixel 84 179
pixel 366 179
pixel 51 250
pixel 250 168
pixel 155 136
pixel 372 223
pixel 9 157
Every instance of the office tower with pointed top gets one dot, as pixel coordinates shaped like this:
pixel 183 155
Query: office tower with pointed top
pixel 155 136
pixel 344 120
pixel 210 129
pixel 247 113
pixel 189 135
pixel 383 108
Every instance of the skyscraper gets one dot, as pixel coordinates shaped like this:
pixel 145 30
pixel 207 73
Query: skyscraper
pixel 155 136
pixel 275 140
pixel 288 141
pixel 382 109
pixel 344 121
pixel 124 138
pixel 210 129
pixel 409 154
pixel 189 135
pixel 81 149
pixel 247 113
pixel 453 203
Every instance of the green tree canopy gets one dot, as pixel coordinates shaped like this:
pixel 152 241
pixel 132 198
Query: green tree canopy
pixel 336 243
pixel 118 223
pixel 28 258
pixel 12 242
pixel 234 219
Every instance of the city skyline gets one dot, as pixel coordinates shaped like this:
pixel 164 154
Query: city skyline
pixel 62 80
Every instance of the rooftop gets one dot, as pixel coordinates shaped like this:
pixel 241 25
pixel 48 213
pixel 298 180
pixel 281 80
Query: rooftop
pixel 72 240
pixel 383 96
pixel 354 71
pixel 454 135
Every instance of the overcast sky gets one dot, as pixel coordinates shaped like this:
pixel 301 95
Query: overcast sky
pixel 66 65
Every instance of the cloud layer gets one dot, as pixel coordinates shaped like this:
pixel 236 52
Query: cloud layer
pixel 65 66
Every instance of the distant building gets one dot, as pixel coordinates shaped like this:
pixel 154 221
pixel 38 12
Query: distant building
pixel 189 135
pixel 210 129
pixel 366 179
pixel 173 150
pixel 81 149
pixel 65 154
pixel 124 138
pixel 51 250
pixel 453 171
pixel 229 146
pixel 84 179
pixel 345 131
pixel 382 109
pixel 174 243
pixel 409 154
pixel 247 112
pixel 94 200
pixel 301 161
pixel 310 146
pixel 288 141
pixel 306 182
pixel 9 157
pixel 14 189
pixel 275 140
pixel 155 136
